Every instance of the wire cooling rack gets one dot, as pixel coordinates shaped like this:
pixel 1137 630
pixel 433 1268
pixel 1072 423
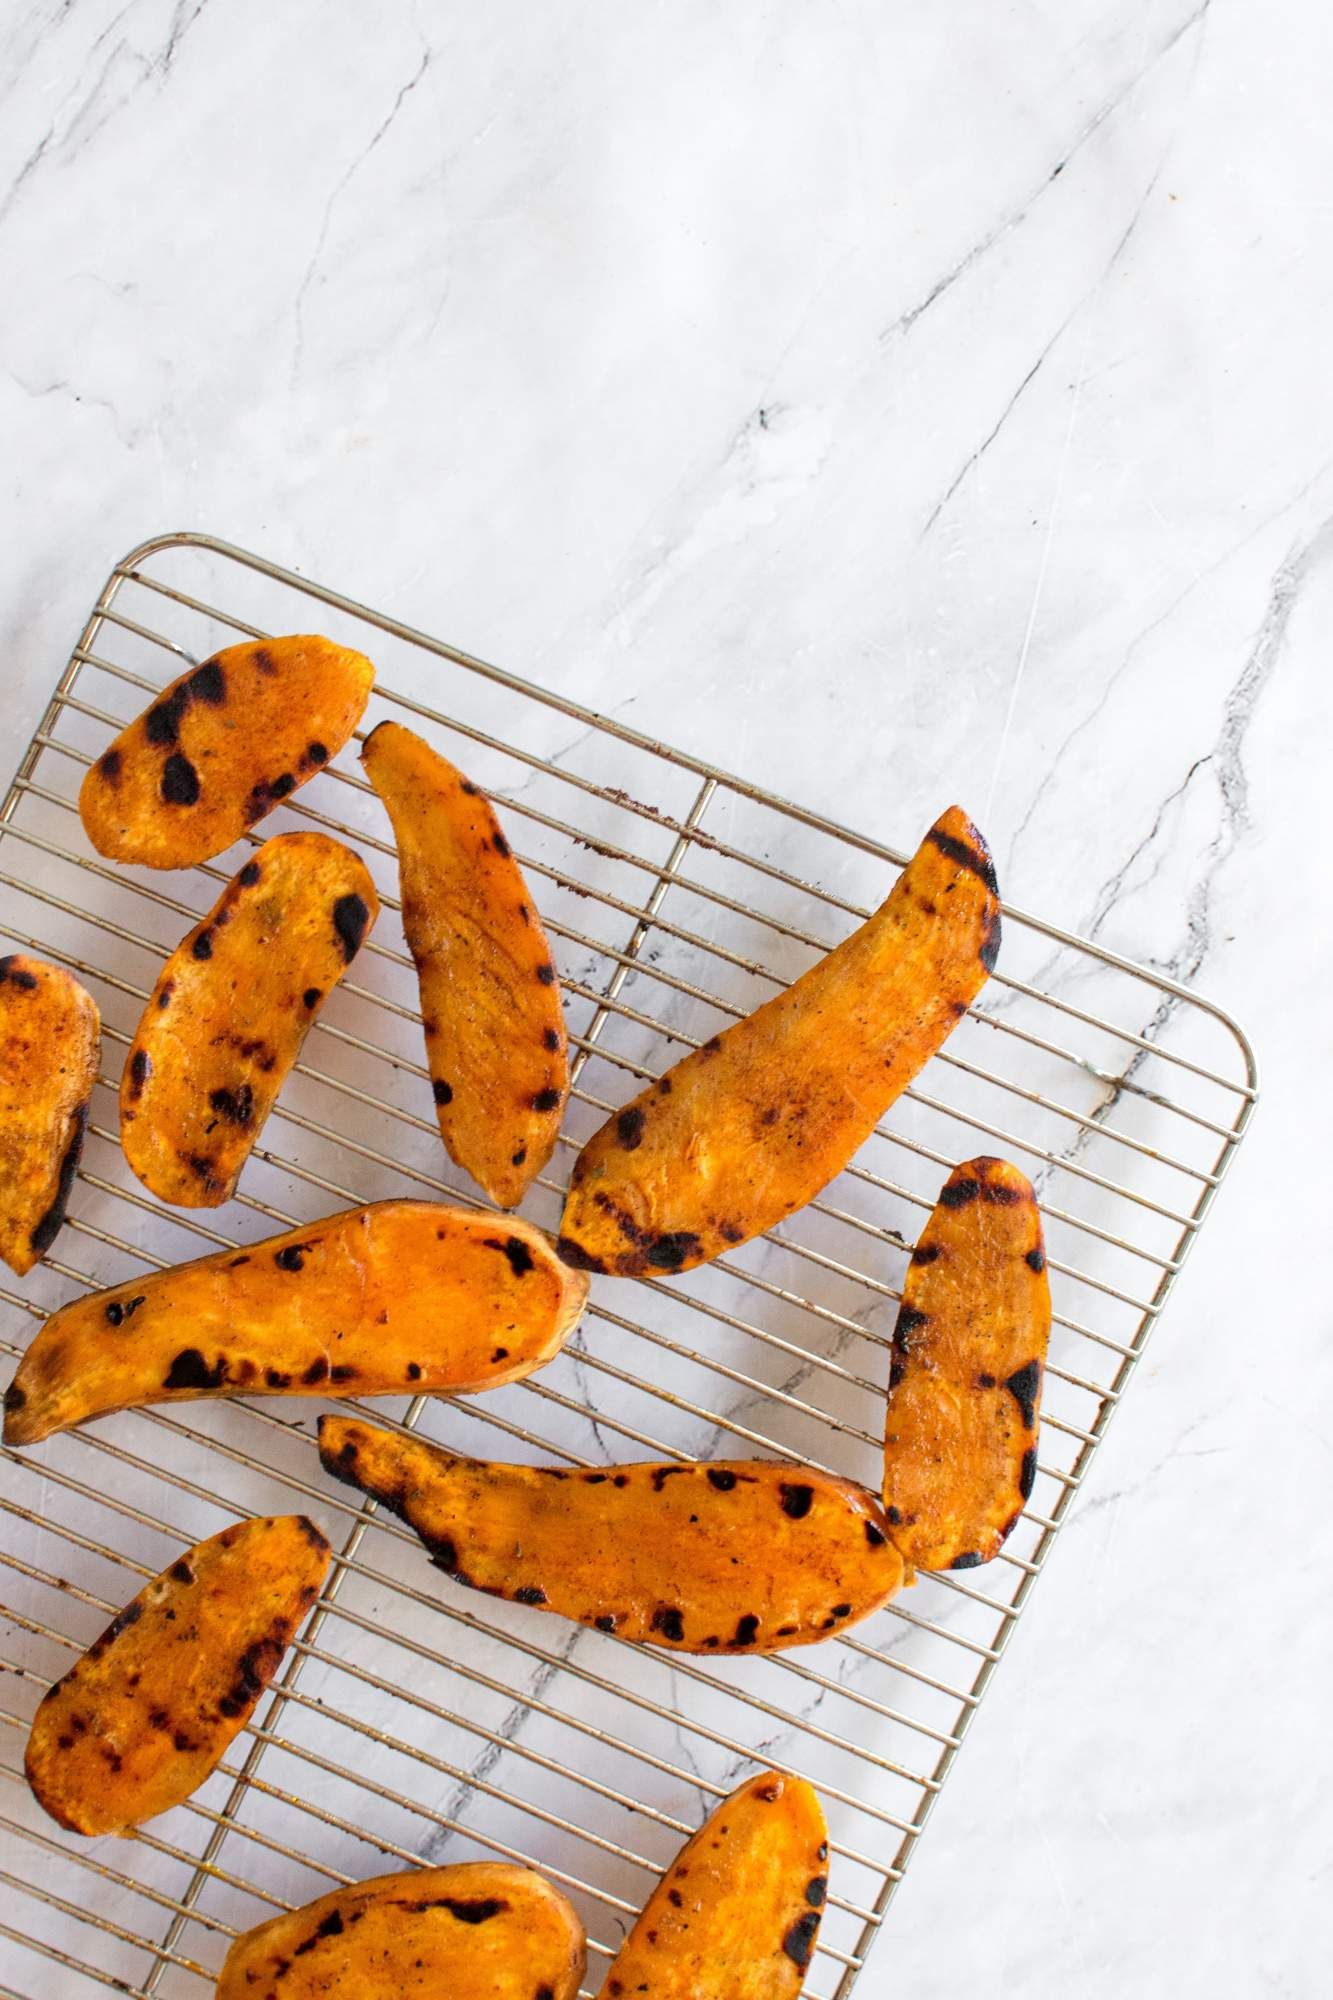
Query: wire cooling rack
pixel 415 1721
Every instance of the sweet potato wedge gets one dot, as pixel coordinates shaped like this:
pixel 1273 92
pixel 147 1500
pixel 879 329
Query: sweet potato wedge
pixel 142 1718
pixel 220 747
pixel 490 1005
pixel 745 1557
pixel 748 1128
pixel 50 1035
pixel 481 1930
pixel 736 1914
pixel 230 1010
pixel 401 1298
pixel 960 1441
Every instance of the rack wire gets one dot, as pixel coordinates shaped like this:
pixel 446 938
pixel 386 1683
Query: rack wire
pixel 416 1722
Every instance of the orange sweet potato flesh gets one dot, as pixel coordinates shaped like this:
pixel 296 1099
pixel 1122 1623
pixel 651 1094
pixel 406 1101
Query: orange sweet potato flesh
pixel 490 1005
pixel 969 1348
pixel 220 747
pixel 481 1930
pixel 142 1718
pixel 740 1557
pixel 50 1035
pixel 736 1915
pixel 230 1010
pixel 748 1128
pixel 401 1298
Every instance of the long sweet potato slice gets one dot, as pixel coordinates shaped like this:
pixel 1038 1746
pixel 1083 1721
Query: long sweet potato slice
pixel 220 747
pixel 401 1298
pixel 736 1914
pixel 50 1034
pixel 740 1557
pixel 748 1128
pixel 490 1005
pixel 960 1442
pixel 138 1723
pixel 481 1930
pixel 230 1010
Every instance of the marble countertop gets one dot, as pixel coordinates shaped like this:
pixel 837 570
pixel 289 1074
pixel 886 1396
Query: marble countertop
pixel 892 404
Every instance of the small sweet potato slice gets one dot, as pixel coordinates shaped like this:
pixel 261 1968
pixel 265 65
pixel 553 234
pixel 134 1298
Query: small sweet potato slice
pixel 480 1930
pixel 50 1035
pixel 748 1128
pixel 230 1010
pixel 220 747
pixel 401 1298
pixel 741 1557
pixel 736 1914
pixel 960 1441
pixel 490 1005
pixel 142 1718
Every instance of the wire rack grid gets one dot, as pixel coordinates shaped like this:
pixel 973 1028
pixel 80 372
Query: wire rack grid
pixel 414 1721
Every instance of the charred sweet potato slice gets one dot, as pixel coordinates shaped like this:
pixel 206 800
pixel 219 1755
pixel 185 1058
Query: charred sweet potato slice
pixel 220 747
pixel 736 1914
pixel 481 1930
pixel 741 1557
pixel 230 1010
pixel 50 1035
pixel 490 1005
pixel 748 1128
pixel 138 1723
pixel 401 1298
pixel 960 1442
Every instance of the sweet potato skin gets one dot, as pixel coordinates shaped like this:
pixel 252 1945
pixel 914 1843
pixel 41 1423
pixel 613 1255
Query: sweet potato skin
pixel 50 1036
pixel 230 1010
pixel 738 1911
pixel 749 1128
pixel 743 1557
pixel 141 1719
pixel 969 1348
pixel 490 1004
pixel 481 1930
pixel 221 746
pixel 400 1298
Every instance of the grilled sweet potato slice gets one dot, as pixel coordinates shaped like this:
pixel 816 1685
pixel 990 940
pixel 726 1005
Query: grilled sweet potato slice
pixel 748 1128
pixel 230 1010
pixel 960 1442
pixel 220 747
pixel 138 1723
pixel 736 1915
pixel 50 1035
pixel 490 1005
pixel 481 1930
pixel 401 1298
pixel 742 1557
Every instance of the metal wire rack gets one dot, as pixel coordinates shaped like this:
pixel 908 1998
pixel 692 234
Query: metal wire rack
pixel 415 1721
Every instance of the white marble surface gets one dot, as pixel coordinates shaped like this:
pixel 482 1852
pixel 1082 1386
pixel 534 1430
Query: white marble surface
pixel 892 403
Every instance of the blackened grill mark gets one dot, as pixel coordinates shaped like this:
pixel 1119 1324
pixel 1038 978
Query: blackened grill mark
pixel 546 1100
pixel 874 1535
pixel 282 786
pixel 202 946
pixel 723 1480
pixel 12 971
pixel 517 1159
pixel 669 1252
pixel 350 917
pixel 1027 1473
pixel 442 1092
pixel 236 1106
pixel 895 1517
pixel 957 1194
pixel 606 1622
pixel 966 856
pixel 800 1939
pixel 969 1561
pixel 474 1910
pixel 501 845
pixel 109 764
pixel 249 875
pixel 550 1040
pixel 1024 1385
pixel 546 974
pixel 311 997
pixel 189 1370
pixel 816 1889
pixel 292 1258
pixel 573 1253
pixel 530 1593
pixel 629 1128
pixel 925 1253
pixel 991 939
pixel 208 683
pixel 182 1572
pixel 48 1228
pixel 329 1926
pixel 277 1378
pixel 316 753
pixel 162 724
pixel 515 1249
pixel 120 1310
pixel 500 1354
pixel 164 997
pixel 670 1622
pixel 180 781
pixel 731 1232
pixel 1000 1194
pixel 747 1630
pixel 797 1500
pixel 1036 1261
pixel 141 1068
pixel 317 1371
pixel 15 1398
pixel 264 660
pixel 909 1319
